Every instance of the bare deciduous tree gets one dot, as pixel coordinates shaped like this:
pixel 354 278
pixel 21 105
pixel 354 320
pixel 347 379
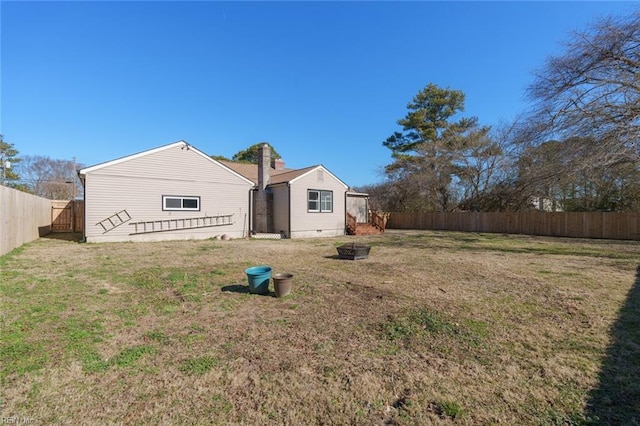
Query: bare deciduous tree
pixel 51 178
pixel 592 90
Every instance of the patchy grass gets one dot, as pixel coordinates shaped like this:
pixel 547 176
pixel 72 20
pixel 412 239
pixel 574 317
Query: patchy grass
pixel 432 328
pixel 198 365
pixel 448 409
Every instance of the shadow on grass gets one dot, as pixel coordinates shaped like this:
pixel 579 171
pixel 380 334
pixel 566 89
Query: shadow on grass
pixel 64 236
pixel 616 400
pixel 236 288
pixel 244 289
pixel 337 257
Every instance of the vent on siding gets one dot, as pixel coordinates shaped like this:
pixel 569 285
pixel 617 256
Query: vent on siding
pixel 320 175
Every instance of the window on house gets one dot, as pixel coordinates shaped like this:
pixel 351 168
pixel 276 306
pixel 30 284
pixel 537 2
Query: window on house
pixel 326 201
pixel 319 201
pixel 171 202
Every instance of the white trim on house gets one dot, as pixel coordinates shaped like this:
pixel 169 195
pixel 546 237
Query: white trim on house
pixel 321 201
pixel 185 145
pixel 315 169
pixel 129 157
pixel 167 199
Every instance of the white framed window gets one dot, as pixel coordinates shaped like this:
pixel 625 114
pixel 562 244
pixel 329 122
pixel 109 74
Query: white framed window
pixel 175 202
pixel 326 201
pixel 319 201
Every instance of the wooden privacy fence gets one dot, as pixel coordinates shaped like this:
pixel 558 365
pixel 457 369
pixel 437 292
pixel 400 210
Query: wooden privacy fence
pixel 23 218
pixel 67 216
pixel 618 226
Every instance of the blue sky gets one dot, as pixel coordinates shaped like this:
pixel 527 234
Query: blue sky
pixel 323 82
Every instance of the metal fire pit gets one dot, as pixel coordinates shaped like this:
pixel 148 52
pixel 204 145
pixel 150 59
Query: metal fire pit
pixel 353 251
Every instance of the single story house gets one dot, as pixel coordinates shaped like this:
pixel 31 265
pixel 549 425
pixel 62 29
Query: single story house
pixel 178 192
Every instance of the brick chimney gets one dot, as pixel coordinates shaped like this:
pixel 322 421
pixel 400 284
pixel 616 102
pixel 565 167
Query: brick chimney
pixel 277 164
pixel 264 160
pixel 261 205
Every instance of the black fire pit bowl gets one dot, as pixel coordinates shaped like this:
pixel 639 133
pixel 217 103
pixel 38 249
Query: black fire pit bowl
pixel 353 251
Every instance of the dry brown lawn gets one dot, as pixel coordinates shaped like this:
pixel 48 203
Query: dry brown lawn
pixel 432 328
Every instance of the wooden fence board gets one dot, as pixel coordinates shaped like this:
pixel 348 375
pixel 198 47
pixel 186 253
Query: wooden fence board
pixel 621 226
pixel 23 218
pixel 67 216
pixel 61 217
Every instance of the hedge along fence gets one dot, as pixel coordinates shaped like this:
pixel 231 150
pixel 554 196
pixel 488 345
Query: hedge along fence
pixel 617 226
pixel 23 218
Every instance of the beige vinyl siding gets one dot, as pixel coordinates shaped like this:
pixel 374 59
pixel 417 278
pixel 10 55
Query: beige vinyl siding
pixel 307 224
pixel 281 209
pixel 173 163
pixel 137 186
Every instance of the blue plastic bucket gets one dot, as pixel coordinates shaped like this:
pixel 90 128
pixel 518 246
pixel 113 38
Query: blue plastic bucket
pixel 258 277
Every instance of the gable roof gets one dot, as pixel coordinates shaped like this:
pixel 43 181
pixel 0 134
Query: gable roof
pixel 290 175
pixel 250 171
pixel 182 144
pixel 319 166
pixel 245 171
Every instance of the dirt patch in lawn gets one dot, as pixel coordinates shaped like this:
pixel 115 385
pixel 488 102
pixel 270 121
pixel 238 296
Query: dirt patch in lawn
pixel 431 328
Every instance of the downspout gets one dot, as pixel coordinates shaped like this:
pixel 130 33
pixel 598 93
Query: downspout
pixel 84 207
pixel 366 203
pixel 344 216
pixel 289 201
pixel 251 224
